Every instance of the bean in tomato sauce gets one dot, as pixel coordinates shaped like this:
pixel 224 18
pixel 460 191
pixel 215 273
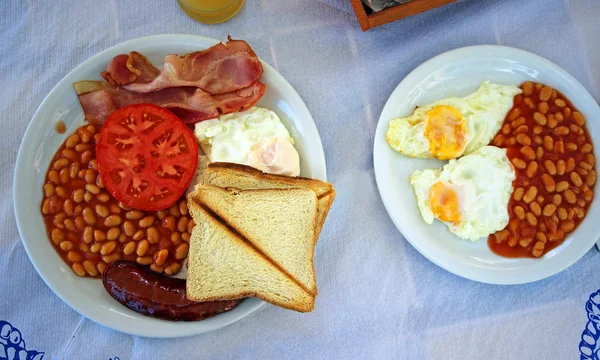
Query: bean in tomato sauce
pixel 551 150
pixel 90 229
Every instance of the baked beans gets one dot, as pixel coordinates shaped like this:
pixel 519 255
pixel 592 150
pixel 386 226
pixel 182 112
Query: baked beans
pixel 90 229
pixel 555 173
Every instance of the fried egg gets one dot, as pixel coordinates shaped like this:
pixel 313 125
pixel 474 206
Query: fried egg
pixel 451 127
pixel 255 137
pixel 470 195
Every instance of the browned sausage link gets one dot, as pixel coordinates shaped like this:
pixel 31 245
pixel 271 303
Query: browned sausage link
pixel 156 295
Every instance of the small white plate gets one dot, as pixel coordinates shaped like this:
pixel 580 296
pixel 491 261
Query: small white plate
pixel 87 296
pixel 454 74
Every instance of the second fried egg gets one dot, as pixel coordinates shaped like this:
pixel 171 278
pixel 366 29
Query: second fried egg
pixel 470 195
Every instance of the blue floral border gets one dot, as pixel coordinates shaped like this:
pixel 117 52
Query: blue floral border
pixel 12 345
pixel 589 346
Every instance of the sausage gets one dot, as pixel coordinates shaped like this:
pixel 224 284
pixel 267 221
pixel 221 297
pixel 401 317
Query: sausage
pixel 149 293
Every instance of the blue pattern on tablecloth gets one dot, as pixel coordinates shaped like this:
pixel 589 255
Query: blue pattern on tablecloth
pixel 12 345
pixel 378 297
pixel 589 346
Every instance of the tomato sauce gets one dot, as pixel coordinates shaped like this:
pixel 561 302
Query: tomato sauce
pixel 90 229
pixel 552 153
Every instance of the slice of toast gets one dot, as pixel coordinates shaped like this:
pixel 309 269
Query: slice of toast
pixel 246 178
pixel 280 223
pixel 222 265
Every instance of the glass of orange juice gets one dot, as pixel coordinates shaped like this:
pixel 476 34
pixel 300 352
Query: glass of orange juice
pixel 211 11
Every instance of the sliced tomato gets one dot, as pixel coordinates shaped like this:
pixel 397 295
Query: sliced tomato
pixel 146 156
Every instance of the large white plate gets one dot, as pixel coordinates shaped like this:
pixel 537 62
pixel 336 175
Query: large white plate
pixel 458 73
pixel 41 141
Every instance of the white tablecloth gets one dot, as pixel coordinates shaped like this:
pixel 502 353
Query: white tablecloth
pixel 378 297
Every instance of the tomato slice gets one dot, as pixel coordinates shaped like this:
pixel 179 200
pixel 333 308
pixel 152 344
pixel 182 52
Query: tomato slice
pixel 146 156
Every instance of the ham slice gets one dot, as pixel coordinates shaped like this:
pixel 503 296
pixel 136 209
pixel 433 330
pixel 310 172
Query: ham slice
pixel 99 99
pixel 220 69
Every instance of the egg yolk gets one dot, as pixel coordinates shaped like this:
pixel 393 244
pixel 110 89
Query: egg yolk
pixel 443 201
pixel 446 130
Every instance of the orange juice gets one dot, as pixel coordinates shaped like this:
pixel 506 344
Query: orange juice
pixel 211 11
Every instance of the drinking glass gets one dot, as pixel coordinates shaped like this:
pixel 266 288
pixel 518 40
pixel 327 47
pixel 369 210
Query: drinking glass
pixel 211 11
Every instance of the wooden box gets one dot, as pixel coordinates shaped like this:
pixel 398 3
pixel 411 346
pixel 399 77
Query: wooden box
pixel 368 21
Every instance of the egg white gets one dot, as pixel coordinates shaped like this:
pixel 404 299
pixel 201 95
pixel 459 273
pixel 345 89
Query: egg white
pixel 483 182
pixel 237 137
pixel 231 137
pixel 483 111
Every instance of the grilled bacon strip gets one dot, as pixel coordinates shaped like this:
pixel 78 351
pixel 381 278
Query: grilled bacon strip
pixel 220 69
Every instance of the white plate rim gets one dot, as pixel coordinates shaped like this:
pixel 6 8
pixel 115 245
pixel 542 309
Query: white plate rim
pixel 317 161
pixel 380 146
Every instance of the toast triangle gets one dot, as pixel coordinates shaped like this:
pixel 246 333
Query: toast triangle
pixel 280 223
pixel 224 266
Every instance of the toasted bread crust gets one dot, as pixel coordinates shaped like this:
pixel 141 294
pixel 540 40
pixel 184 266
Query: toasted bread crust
pixel 325 203
pixel 320 187
pixel 297 306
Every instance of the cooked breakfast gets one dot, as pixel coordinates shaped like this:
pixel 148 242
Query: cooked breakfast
pixel 470 195
pixel 147 157
pixel 90 228
pixel 527 190
pixel 100 99
pixel 255 236
pixel 255 137
pixel 202 85
pixel 147 292
pixel 113 198
pixel 551 151
pixel 449 128
pixel 220 69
